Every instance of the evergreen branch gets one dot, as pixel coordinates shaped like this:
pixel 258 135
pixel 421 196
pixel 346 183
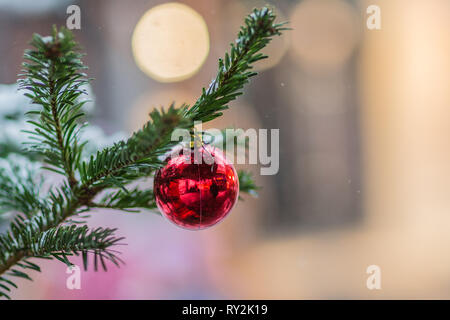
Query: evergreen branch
pixel 126 200
pixel 247 184
pixel 121 164
pixel 15 245
pixel 22 230
pixel 52 79
pixel 72 240
pixel 234 69
pixel 136 157
pixel 58 243
pixel 19 189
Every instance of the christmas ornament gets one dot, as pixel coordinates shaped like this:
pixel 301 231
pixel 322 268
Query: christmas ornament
pixel 197 188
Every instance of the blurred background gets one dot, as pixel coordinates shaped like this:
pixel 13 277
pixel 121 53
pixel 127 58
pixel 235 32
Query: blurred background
pixel 364 119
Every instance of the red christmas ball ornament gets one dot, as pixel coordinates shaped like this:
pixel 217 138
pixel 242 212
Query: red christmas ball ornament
pixel 197 188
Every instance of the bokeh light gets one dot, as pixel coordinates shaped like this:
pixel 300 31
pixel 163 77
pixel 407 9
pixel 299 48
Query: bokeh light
pixel 170 42
pixel 325 33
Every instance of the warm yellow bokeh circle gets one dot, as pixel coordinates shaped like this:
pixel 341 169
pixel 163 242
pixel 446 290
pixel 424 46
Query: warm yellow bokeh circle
pixel 170 42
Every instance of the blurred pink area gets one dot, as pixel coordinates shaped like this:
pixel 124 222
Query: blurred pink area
pixel 162 261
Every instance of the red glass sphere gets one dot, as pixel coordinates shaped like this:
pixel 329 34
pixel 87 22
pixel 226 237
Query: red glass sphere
pixel 197 188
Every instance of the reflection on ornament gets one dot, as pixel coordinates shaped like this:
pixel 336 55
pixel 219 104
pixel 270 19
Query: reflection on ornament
pixel 170 42
pixel 197 188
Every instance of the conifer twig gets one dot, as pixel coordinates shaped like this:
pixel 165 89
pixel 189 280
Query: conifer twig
pixel 53 79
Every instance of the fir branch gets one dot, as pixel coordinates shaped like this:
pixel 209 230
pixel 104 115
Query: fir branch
pixel 136 157
pixel 128 200
pixel 19 188
pixel 235 68
pixel 122 163
pixel 52 79
pixel 58 243
pixel 247 184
